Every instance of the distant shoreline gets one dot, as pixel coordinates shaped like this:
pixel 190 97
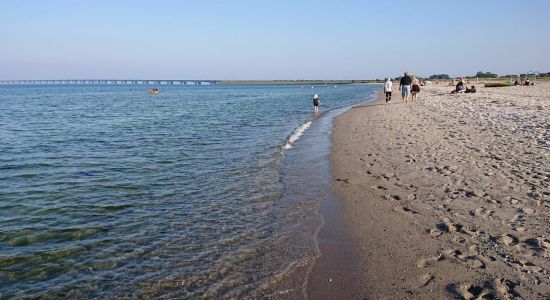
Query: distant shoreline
pixel 176 82
pixel 298 82
pixel 180 82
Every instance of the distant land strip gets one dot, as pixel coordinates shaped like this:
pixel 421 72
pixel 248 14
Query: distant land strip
pixel 303 82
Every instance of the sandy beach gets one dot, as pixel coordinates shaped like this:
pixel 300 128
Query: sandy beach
pixel 448 197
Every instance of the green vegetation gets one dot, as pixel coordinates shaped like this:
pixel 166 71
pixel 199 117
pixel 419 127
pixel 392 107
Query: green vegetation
pixel 440 76
pixel 537 74
pixel 480 74
pixel 493 75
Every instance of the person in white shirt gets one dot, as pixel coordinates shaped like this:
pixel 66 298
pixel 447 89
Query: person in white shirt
pixel 415 88
pixel 387 89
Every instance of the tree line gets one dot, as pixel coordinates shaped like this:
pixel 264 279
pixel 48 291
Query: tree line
pixel 481 74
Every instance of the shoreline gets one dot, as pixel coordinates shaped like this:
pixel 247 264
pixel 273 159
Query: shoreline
pixel 448 197
pixel 332 274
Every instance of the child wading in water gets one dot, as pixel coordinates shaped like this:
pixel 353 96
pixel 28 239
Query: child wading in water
pixel 316 104
pixel 387 89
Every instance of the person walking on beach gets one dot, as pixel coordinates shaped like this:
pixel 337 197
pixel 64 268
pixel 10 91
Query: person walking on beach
pixel 415 88
pixel 316 104
pixel 387 89
pixel 405 87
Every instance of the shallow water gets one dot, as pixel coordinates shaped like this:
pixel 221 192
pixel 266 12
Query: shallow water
pixel 106 191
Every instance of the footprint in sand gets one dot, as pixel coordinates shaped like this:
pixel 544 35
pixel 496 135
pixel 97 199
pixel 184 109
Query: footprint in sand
pixel 392 197
pixel 388 176
pixel 378 187
pixel 490 289
pixel 527 210
pixel 425 279
pixel 473 260
pixel 428 261
pixel 505 239
pixel 406 210
pixel 434 233
pixel 481 212
pixel 448 227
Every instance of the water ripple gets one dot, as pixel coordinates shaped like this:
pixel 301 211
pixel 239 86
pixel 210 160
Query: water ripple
pixel 106 191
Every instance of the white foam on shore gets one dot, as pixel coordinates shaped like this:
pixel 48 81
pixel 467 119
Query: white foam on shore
pixel 296 134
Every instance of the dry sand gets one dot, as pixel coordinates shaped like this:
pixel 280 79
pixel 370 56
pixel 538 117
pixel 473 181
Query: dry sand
pixel 448 197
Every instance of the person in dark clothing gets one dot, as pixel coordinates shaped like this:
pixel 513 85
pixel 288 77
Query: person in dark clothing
pixel 461 85
pixel 316 104
pixel 405 86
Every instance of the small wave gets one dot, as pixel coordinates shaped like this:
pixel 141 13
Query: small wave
pixel 296 134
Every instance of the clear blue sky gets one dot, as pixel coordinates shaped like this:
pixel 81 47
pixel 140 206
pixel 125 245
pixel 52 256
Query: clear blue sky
pixel 278 39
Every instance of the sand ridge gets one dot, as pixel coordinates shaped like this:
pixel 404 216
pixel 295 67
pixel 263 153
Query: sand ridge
pixel 449 196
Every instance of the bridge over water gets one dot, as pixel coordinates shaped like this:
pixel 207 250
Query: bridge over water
pixel 114 81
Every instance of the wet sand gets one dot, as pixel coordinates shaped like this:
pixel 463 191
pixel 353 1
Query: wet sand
pixel 448 197
pixel 334 273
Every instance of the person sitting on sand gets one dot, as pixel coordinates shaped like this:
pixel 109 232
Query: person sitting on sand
pixel 517 82
pixel 526 82
pixel 387 89
pixel 461 85
pixel 316 104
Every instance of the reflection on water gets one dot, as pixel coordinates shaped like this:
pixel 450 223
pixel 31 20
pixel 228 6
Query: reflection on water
pixel 109 192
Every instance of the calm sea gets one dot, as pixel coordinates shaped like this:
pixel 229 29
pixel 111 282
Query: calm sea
pixel 199 191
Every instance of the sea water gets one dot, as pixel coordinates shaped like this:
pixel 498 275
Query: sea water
pixel 199 191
